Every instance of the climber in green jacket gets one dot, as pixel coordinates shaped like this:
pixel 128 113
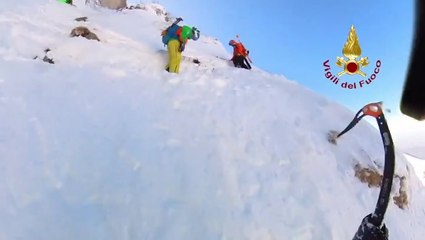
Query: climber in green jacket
pixel 176 37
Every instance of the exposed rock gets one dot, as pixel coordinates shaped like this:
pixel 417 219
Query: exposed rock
pixel 367 175
pixel 48 60
pixel 374 179
pixel 402 200
pixel 138 6
pixel 83 32
pixel 114 4
pixel 81 19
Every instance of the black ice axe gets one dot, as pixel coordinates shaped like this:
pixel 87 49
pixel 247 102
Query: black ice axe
pixel 372 226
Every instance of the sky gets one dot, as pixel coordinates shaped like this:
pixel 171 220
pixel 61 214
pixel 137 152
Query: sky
pixel 294 38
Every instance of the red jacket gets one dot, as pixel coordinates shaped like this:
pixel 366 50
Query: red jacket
pixel 179 35
pixel 239 50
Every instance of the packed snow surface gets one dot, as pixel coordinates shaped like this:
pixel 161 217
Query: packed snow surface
pixel 105 144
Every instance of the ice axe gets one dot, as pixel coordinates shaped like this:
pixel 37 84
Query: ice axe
pixel 372 227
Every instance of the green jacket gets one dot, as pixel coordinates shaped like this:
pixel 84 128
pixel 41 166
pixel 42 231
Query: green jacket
pixel 66 1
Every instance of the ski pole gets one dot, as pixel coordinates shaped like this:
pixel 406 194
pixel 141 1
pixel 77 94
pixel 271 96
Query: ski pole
pixel 249 59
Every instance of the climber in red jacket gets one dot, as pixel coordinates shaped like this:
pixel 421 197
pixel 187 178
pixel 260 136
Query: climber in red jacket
pixel 239 55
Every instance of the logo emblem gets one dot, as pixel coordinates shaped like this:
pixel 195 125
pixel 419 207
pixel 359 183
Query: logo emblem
pixel 352 63
pixel 352 51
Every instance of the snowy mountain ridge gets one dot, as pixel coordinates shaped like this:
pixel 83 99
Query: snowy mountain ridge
pixel 105 144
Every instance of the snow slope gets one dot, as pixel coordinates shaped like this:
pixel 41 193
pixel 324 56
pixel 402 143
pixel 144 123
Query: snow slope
pixel 409 135
pixel 419 166
pixel 104 144
pixel 409 138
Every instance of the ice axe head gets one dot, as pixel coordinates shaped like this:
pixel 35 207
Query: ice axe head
pixel 373 109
